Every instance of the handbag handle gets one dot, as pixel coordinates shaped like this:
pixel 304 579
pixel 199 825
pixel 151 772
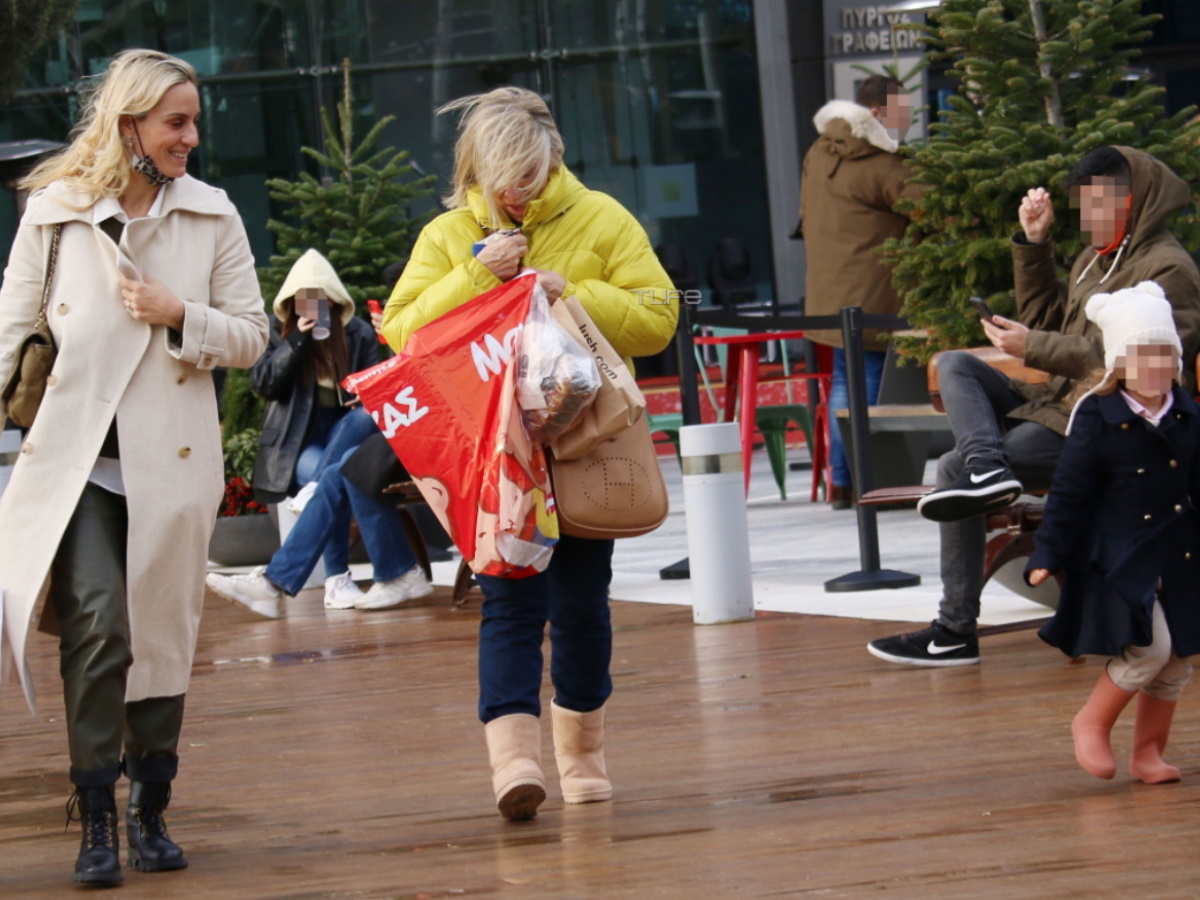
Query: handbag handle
pixel 50 263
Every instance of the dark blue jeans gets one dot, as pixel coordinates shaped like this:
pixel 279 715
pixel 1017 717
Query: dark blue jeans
pixel 839 398
pixel 351 430
pixel 324 529
pixel 572 595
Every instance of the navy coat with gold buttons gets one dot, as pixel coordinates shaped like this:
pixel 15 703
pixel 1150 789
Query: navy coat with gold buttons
pixel 1123 513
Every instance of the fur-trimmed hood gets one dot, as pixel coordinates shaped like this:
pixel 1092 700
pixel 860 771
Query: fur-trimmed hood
pixel 851 131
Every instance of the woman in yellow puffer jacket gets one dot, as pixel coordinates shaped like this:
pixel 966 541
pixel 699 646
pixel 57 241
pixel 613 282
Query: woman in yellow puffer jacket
pixel 511 186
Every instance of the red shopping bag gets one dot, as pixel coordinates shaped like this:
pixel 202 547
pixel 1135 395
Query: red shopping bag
pixel 447 405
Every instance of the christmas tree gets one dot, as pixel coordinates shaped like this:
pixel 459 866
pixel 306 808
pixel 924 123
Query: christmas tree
pixel 1041 83
pixel 358 218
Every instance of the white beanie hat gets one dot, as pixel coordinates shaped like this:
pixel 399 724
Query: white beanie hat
pixel 1127 318
pixel 312 270
pixel 1136 315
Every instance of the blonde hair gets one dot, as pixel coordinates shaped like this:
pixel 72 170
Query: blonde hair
pixel 96 161
pixel 506 136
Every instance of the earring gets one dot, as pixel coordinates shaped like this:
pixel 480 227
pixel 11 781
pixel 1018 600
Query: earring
pixel 127 141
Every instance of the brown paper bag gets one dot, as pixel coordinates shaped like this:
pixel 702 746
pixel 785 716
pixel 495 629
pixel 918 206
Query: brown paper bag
pixel 619 402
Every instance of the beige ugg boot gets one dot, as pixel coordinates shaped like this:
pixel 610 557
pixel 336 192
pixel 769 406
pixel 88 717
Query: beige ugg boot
pixel 579 750
pixel 1093 724
pixel 1150 732
pixel 515 750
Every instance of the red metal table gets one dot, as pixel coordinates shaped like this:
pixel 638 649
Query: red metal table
pixel 741 379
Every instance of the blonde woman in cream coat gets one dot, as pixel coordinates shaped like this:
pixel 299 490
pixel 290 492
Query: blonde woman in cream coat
pixel 104 526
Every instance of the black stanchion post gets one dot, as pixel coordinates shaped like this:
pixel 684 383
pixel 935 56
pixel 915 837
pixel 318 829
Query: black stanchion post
pixel 689 393
pixel 870 577
pixel 689 405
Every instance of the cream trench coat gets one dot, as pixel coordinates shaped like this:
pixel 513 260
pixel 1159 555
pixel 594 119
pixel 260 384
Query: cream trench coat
pixel 157 382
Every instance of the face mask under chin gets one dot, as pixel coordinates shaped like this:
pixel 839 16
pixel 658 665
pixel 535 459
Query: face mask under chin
pixel 145 167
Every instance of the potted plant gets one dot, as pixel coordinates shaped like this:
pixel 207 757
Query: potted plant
pixel 246 531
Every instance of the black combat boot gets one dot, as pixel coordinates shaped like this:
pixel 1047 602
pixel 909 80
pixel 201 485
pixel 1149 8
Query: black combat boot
pixel 150 847
pixel 99 862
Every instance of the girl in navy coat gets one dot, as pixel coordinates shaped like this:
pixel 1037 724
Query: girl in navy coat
pixel 1120 530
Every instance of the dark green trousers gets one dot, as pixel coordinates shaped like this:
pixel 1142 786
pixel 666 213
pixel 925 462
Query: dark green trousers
pixel 88 591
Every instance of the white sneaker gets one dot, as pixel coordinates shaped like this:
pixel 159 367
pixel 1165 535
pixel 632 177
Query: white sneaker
pixel 387 594
pixel 341 592
pixel 296 504
pixel 253 591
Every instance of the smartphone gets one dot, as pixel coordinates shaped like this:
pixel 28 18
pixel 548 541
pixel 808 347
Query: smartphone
pixel 981 307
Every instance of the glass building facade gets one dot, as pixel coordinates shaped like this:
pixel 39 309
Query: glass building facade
pixel 657 100
pixel 660 102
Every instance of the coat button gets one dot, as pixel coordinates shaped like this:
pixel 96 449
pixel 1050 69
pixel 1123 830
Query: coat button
pixel 1146 517
pixel 1174 464
pixel 51 380
pixel 1178 508
pixel 181 378
pixel 27 448
pixel 63 309
pixel 1141 471
pixel 185 452
pixel 1187 556
pixel 1124 426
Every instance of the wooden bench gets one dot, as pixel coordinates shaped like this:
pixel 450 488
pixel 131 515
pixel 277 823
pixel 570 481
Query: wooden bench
pixel 900 459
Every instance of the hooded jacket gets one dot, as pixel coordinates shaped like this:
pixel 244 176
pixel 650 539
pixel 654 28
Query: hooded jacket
pixel 1062 341
pixel 851 182
pixel 585 236
pixel 277 377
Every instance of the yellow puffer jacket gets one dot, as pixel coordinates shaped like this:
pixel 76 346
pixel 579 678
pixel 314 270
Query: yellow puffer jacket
pixel 585 236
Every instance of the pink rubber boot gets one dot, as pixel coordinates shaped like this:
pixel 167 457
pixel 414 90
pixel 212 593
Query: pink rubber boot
pixel 1150 733
pixel 1093 724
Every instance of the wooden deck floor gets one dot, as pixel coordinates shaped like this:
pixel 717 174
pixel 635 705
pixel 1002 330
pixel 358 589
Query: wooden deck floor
pixel 338 756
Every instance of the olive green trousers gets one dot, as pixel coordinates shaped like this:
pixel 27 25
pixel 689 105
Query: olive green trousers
pixel 88 593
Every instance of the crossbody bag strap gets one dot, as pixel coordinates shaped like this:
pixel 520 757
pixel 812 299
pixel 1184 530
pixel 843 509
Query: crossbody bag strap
pixel 50 263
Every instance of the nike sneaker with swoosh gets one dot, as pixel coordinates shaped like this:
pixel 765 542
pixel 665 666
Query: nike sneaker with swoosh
pixel 977 490
pixel 933 647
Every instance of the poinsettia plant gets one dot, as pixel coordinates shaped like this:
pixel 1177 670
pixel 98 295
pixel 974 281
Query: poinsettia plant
pixel 240 450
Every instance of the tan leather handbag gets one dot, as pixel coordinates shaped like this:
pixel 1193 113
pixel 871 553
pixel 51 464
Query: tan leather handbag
pixel 615 491
pixel 34 357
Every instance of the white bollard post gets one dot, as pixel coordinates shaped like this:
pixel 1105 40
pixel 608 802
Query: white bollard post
pixel 714 500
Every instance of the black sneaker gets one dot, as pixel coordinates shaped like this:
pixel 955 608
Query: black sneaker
pixel 935 646
pixel 978 490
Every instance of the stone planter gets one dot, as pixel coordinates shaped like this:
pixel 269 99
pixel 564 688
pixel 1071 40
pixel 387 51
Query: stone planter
pixel 244 540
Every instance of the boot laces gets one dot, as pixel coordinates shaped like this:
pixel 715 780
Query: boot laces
pixel 99 828
pixel 150 817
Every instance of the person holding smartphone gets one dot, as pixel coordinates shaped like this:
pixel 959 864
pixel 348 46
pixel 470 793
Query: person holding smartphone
pixel 1009 434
